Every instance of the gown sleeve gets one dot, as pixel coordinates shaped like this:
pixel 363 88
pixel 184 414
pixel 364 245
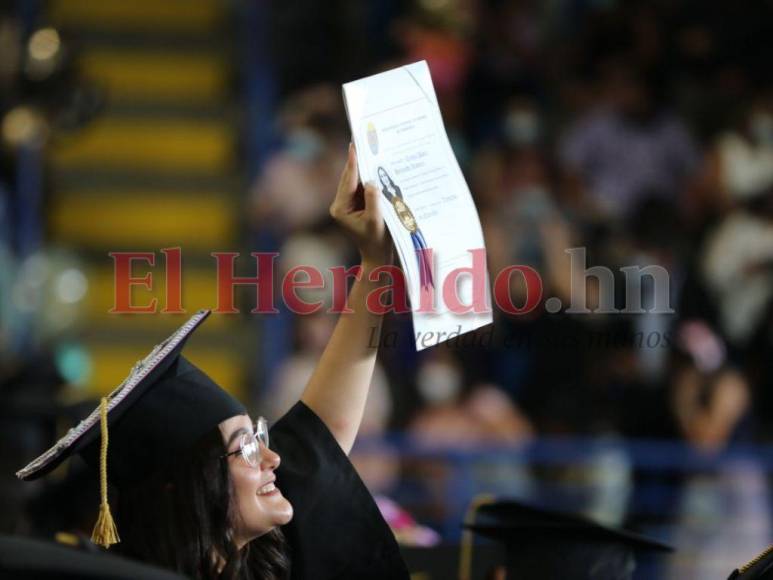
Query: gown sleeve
pixel 337 530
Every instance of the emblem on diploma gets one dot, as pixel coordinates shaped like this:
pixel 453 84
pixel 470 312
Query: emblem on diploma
pixel 405 214
pixel 372 138
pixel 406 217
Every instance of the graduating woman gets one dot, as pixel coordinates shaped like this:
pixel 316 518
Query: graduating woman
pixel 206 491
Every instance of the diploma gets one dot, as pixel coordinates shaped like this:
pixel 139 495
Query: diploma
pixel 403 148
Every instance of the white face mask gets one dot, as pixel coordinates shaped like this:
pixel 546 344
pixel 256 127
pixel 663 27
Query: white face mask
pixel 761 128
pixel 522 127
pixel 439 382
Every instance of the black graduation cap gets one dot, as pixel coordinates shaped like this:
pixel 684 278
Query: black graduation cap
pixel 26 558
pixel 547 545
pixel 164 406
pixel 760 568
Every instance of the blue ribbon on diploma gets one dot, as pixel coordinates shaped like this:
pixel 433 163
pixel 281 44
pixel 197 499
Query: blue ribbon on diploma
pixel 425 269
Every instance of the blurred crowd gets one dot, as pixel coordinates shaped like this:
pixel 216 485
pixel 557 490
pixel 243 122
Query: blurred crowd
pixel 641 131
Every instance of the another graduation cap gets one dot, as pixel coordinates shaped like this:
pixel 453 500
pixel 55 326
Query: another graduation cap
pixel 760 568
pixel 22 558
pixel 548 545
pixel 165 405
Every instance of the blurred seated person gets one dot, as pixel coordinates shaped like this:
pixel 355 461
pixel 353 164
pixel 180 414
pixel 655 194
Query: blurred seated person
pixel 710 398
pixel 451 417
pixel 627 146
pixel 739 164
pixel 296 186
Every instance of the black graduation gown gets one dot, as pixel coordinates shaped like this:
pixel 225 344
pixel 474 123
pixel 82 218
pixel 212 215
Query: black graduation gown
pixel 337 530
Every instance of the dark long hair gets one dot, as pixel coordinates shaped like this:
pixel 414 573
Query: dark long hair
pixel 181 516
pixel 385 187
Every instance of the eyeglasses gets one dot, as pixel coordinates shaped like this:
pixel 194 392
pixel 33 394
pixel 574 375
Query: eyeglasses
pixel 249 443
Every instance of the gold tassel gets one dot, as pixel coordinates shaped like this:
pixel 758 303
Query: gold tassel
pixel 465 550
pixel 105 533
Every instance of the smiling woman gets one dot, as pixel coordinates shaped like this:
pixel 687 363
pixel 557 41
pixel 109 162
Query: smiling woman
pixel 203 491
pixel 193 516
pixel 261 505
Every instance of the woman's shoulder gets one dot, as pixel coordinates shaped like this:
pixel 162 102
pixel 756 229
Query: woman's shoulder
pixel 300 420
pixel 306 447
pixel 330 501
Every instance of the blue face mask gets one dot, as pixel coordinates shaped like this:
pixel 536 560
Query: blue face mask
pixel 304 144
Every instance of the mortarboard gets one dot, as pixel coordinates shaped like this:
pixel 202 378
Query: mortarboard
pixel 548 545
pixel 26 558
pixel 760 568
pixel 165 405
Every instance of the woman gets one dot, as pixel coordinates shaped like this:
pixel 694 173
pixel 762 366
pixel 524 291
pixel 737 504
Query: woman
pixel 204 491
pixel 406 217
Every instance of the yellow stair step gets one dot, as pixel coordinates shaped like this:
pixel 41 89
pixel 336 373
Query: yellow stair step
pixel 199 290
pixel 153 76
pixel 148 144
pixel 144 219
pixel 111 364
pixel 171 15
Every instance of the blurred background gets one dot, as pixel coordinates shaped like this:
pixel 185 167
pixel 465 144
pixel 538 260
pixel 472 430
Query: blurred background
pixel 641 131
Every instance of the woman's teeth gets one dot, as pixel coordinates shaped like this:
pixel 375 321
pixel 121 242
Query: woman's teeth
pixel 268 488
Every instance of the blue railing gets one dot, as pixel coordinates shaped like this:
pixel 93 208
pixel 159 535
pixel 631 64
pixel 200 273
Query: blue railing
pixel 666 489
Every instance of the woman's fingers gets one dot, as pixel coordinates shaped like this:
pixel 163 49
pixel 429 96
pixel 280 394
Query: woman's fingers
pixel 347 185
pixel 372 208
pixel 358 211
pixel 350 175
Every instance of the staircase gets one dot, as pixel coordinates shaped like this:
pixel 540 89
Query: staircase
pixel 156 169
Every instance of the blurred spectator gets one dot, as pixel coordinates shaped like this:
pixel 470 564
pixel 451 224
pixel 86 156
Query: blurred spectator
pixel 658 235
pixel 510 38
pixel 321 247
pixel 522 222
pixel 298 184
pixel 710 399
pixel 736 265
pixel 454 418
pixel 739 165
pixel 627 147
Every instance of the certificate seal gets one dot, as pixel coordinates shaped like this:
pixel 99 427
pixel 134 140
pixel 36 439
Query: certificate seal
pixel 404 214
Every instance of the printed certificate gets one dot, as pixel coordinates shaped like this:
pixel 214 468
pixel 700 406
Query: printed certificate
pixel 403 148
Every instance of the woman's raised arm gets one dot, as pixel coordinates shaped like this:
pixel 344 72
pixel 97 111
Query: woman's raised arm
pixel 338 388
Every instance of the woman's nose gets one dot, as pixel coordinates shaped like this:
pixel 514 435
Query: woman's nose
pixel 268 459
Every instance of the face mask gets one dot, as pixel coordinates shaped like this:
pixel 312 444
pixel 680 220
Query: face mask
pixel 438 382
pixel 761 127
pixel 304 144
pixel 522 127
pixel 534 204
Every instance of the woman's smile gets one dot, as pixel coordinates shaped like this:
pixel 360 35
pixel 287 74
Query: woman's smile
pixel 267 489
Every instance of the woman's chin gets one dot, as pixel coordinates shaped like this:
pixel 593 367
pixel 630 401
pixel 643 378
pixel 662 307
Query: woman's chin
pixel 285 514
pixel 278 506
pixel 280 515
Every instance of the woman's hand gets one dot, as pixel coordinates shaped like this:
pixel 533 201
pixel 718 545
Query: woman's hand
pixel 357 210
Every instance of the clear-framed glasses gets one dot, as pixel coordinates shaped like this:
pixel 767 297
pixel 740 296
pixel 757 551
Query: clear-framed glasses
pixel 249 443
